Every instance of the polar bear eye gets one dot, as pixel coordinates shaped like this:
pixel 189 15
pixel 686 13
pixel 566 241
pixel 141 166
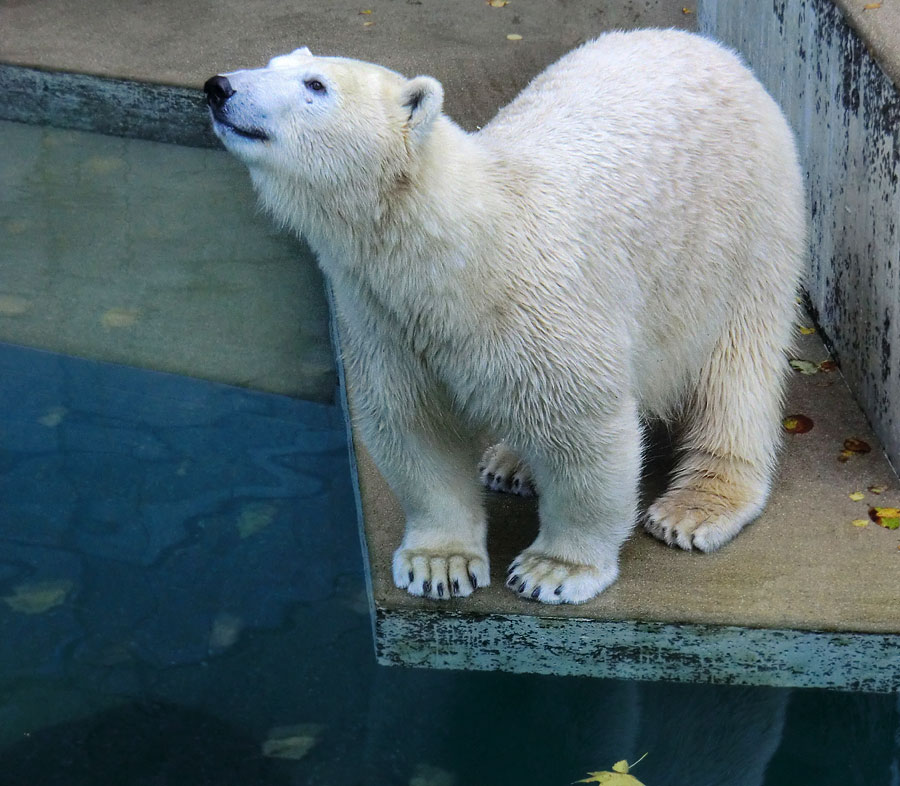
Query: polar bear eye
pixel 315 85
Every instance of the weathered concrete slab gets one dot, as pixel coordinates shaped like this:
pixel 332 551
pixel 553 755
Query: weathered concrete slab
pixel 461 42
pixel 802 597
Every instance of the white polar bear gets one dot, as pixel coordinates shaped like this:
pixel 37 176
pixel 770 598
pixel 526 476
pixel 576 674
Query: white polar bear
pixel 623 240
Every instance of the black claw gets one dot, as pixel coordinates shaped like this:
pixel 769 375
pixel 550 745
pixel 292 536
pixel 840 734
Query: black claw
pixel 440 589
pixel 411 577
pixel 474 580
pixel 456 586
pixel 490 477
pixel 522 588
pixel 426 587
pixel 512 580
pixel 537 591
pixel 558 590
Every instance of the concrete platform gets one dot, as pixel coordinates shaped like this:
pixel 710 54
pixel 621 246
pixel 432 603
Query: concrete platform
pixel 802 597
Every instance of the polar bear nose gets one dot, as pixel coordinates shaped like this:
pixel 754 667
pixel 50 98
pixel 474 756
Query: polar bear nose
pixel 218 90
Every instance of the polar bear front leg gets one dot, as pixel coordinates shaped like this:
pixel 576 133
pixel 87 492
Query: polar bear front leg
pixel 588 503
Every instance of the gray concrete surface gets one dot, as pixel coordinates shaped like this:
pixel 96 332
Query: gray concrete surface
pixel 846 113
pixel 461 42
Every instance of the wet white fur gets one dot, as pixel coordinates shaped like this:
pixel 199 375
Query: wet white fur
pixel 624 239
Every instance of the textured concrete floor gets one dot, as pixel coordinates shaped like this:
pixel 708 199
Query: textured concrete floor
pixel 460 42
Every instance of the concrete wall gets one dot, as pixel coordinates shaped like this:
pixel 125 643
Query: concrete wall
pixel 845 111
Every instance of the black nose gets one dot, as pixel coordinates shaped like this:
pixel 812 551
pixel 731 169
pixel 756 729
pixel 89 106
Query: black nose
pixel 218 90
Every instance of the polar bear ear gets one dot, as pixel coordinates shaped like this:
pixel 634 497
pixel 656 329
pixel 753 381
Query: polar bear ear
pixel 423 98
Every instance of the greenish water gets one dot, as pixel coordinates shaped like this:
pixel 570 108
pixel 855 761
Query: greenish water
pixel 182 598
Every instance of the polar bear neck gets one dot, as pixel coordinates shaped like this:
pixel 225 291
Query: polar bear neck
pixel 428 227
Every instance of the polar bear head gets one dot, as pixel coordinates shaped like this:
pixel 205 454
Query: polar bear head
pixel 323 128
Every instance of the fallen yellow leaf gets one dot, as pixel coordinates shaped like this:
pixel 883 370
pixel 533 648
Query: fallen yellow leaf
pixel 860 522
pixel 889 518
pixel 367 11
pixel 686 11
pixel 876 489
pixel 513 37
pixel 856 496
pixel 797 424
pixel 618 777
pixel 497 3
pixel 871 6
pixel 804 366
pixel 807 331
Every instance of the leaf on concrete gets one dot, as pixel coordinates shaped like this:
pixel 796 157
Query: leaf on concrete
pixel 797 424
pixel 876 489
pixel 853 447
pixel 827 365
pixel 805 367
pixel 889 518
pixel 807 331
pixel 513 37
pixel 497 3
pixel 856 496
pixel 860 522
pixel 871 6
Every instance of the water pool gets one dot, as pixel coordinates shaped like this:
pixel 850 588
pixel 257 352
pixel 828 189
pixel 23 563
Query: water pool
pixel 182 598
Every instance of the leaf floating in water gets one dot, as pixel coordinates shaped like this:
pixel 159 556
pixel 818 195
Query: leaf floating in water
pixel 428 775
pixel 255 517
pixel 805 367
pixel 119 317
pixel 53 417
pixel 797 424
pixel 13 306
pixel 292 742
pixel 856 496
pixel 39 596
pixel 889 518
pixel 226 630
pixel 618 777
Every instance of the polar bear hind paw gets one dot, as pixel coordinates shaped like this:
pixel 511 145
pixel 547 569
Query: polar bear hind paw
pixel 502 470
pixel 697 519
pixel 549 580
pixel 438 576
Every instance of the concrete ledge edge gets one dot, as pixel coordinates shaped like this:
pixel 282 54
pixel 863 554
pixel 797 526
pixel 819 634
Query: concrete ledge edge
pixel 631 650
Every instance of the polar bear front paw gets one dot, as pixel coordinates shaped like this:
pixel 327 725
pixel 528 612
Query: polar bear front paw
pixel 550 580
pixel 440 576
pixel 502 470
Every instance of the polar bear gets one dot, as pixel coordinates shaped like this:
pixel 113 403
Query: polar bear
pixel 622 242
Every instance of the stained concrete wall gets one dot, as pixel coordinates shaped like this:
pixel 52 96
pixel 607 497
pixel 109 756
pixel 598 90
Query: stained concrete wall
pixel 845 112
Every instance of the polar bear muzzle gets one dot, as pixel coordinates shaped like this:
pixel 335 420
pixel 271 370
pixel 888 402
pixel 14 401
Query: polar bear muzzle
pixel 218 90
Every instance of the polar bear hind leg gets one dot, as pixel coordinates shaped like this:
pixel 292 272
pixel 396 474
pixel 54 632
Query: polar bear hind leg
pixel 730 438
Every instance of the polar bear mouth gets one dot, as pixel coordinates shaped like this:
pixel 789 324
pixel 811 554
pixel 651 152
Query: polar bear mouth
pixel 256 134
